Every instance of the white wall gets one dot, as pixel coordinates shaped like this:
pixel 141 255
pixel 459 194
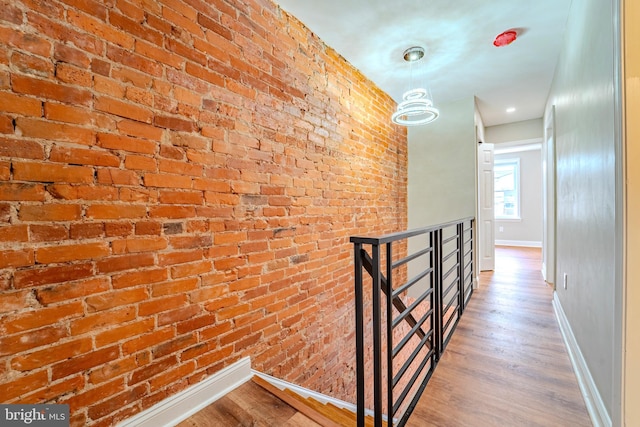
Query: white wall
pixel 517 131
pixel 526 231
pixel 588 246
pixel 442 166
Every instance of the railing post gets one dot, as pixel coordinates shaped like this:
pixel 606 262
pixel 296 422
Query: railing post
pixel 389 306
pixel 460 243
pixel 377 337
pixel 437 289
pixel 360 378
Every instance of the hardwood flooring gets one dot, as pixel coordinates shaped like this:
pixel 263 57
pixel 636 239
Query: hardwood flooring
pixel 248 406
pixel 506 364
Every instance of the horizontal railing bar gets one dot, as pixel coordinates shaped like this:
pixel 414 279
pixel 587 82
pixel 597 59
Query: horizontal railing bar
pixel 409 309
pixel 411 257
pixel 470 239
pixel 411 282
pixel 450 303
pixel 392 237
pixel 449 255
pixel 412 381
pixel 410 360
pixel 452 317
pixel 451 270
pixel 449 239
pixel 466 254
pixel 411 333
pixel 468 276
pixel 451 286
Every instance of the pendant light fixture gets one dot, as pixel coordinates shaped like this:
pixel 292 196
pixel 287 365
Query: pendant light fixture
pixel 416 107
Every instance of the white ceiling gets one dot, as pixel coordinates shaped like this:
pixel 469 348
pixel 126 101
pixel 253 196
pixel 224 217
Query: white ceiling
pixel 460 59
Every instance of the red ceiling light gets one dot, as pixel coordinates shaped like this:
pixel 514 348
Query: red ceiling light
pixel 505 38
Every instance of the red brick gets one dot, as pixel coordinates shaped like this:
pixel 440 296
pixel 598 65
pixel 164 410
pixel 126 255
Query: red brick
pixel 14 233
pixel 100 29
pixel 123 109
pixel 48 90
pixel 142 277
pixel 120 333
pixel 45 276
pixel 125 262
pixel 192 269
pixel 107 319
pixel 175 123
pixel 73 75
pixel 24 385
pixel 148 228
pixel 86 230
pixel 71 290
pixel 30 64
pixel 180 257
pixel 50 212
pixel 11 103
pixel 115 299
pixel 53 391
pixel 140 130
pixel 16 258
pixel 21 149
pixel 172 375
pixel 25 321
pixel 11 14
pixel 174 287
pixel 83 157
pixel 51 354
pixel 167 181
pixel 72 252
pixel 48 233
pixel 112 176
pixel 148 340
pixel 82 192
pixel 175 212
pixel 181 197
pixel 125 143
pixel 25 41
pixel 139 244
pixel 10 301
pixel 116 211
pixel 84 362
pixel 140 163
pixel 117 402
pixel 111 370
pixel 125 22
pixel 66 53
pixel 14 344
pixel 49 172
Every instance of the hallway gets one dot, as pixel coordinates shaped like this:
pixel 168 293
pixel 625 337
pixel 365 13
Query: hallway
pixel 506 364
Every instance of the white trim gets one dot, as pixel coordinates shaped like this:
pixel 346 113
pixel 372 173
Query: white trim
pixel 592 399
pixel 182 405
pixel 306 393
pixel 521 243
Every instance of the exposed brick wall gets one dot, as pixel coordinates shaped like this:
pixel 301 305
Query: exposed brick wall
pixel 178 183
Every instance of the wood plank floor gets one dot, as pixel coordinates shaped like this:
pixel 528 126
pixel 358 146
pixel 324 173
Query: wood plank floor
pixel 248 406
pixel 506 364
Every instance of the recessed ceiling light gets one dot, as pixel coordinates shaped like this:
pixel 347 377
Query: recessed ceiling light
pixel 511 110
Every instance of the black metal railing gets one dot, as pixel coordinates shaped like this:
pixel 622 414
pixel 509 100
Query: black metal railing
pixel 408 325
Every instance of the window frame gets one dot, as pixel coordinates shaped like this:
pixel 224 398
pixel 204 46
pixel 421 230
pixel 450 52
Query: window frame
pixel 515 161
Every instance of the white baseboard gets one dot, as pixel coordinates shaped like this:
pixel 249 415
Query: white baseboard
pixel 595 406
pixel 182 405
pixel 521 243
pixel 306 393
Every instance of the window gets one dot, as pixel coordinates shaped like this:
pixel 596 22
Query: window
pixel 506 187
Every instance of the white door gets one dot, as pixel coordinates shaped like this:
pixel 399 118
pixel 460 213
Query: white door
pixel 486 228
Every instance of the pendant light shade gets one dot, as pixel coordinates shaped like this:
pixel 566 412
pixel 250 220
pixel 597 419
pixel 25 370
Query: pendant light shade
pixel 416 107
